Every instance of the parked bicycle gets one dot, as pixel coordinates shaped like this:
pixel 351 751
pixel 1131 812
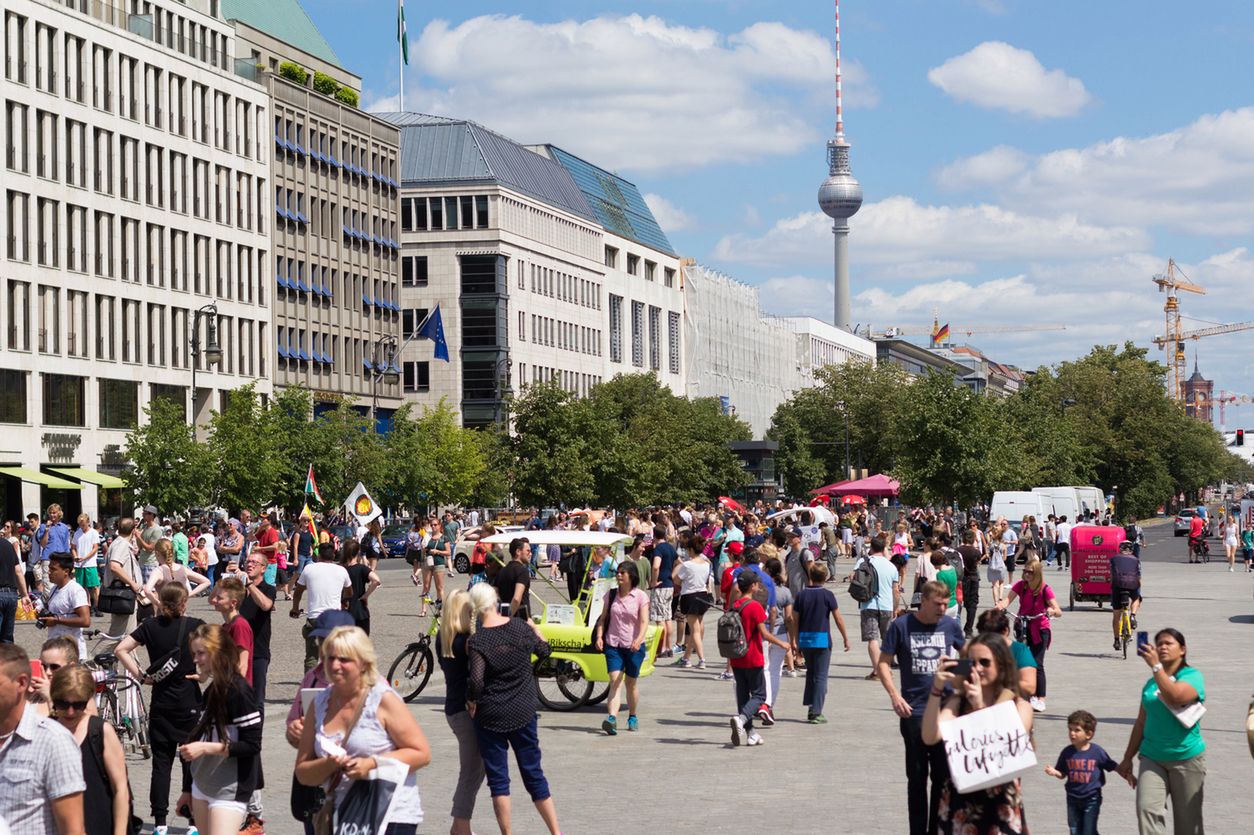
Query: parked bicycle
pixel 411 670
pixel 119 698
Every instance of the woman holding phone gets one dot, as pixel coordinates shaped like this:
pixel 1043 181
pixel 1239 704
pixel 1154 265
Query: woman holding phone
pixel 1168 741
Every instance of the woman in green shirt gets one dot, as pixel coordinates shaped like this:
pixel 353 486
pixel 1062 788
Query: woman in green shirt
pixel 1173 755
pixel 946 574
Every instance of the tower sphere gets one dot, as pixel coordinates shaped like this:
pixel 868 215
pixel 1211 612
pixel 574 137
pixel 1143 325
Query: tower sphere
pixel 840 196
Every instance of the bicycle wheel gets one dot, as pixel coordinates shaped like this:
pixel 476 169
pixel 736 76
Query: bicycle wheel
pixel 599 694
pixel 107 704
pixel 142 742
pixel 1125 635
pixel 411 670
pixel 560 684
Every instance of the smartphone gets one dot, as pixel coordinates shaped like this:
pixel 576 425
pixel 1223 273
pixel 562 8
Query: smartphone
pixel 503 608
pixel 36 668
pixel 1142 640
pixel 962 669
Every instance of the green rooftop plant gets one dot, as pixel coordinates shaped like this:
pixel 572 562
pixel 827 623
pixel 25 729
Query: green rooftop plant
pixel 293 72
pixel 325 84
pixel 347 96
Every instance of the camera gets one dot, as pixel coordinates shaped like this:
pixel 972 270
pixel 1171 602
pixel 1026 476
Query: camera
pixel 39 624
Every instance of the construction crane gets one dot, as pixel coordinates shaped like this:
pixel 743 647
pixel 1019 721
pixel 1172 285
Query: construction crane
pixel 939 335
pixel 1223 401
pixel 1173 339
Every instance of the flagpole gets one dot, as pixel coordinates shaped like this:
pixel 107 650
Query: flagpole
pixel 400 49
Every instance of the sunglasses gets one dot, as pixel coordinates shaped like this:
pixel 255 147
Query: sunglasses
pixel 983 662
pixel 52 668
pixel 63 705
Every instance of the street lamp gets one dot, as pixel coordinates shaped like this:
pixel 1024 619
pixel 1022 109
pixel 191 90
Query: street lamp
pixel 384 369
pixel 504 390
pixel 213 351
pixel 845 413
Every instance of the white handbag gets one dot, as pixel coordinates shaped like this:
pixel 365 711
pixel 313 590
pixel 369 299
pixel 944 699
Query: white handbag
pixel 1189 715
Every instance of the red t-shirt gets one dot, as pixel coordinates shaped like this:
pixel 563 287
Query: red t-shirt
pixel 725 582
pixel 267 538
pixel 242 634
pixel 1196 525
pixel 752 615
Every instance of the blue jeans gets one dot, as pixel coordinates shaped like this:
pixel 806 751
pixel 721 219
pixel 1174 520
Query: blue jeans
pixel 750 692
pixel 494 748
pixel 817 662
pixel 1050 551
pixel 303 561
pixel 8 615
pixel 1082 814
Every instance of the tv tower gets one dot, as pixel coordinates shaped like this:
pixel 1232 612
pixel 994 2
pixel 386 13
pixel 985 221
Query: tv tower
pixel 840 197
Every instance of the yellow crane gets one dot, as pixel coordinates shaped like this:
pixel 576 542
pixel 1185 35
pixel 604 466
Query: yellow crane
pixel 1172 341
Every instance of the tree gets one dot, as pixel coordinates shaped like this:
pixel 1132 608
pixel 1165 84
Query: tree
pixel 360 453
pixel 300 440
pixel 553 446
pixel 169 467
pixel 246 465
pixel 432 460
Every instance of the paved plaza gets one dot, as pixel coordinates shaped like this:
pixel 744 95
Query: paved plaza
pixel 680 774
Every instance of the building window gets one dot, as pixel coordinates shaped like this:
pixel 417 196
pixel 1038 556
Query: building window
pixel 481 211
pixel 411 320
pixel 522 326
pixel 13 404
pixel 63 400
pixel 414 271
pixel 669 277
pixel 616 328
pixel 633 264
pixel 172 394
pixel 672 340
pixel 637 334
pixel 417 376
pixel 611 257
pixel 655 338
pixel 650 271
pixel 119 404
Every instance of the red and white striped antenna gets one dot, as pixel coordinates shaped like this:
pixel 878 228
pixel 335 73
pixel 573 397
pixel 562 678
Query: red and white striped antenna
pixel 840 120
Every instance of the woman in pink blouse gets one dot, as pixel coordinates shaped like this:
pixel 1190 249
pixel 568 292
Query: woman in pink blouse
pixel 620 634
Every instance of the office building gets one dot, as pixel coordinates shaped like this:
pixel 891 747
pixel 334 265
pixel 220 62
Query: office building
pixel 821 344
pixel 136 217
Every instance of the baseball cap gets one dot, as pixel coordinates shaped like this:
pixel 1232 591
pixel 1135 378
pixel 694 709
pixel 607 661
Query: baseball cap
pixel 736 548
pixel 150 508
pixel 331 619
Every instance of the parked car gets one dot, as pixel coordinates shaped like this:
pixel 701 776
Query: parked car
pixel 1184 518
pixel 394 539
pixel 466 547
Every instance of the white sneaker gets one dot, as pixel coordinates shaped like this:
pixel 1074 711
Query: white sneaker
pixel 739 737
pixel 755 738
pixel 160 830
pixel 1231 569
pixel 1038 704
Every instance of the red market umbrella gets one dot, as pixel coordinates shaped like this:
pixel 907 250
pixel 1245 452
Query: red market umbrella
pixel 823 499
pixel 876 486
pixel 829 488
pixel 731 504
pixel 852 499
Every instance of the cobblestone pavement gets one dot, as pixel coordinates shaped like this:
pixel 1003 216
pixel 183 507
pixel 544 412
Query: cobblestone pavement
pixel 680 774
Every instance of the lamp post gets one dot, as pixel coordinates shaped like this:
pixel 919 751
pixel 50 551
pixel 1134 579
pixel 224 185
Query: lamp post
pixel 213 351
pixel 845 413
pixel 386 348
pixel 504 390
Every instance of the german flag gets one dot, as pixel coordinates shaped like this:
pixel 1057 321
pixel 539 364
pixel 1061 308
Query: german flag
pixel 940 335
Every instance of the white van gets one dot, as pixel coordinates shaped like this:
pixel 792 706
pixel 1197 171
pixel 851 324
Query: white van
pixel 1092 500
pixel 1060 501
pixel 1015 504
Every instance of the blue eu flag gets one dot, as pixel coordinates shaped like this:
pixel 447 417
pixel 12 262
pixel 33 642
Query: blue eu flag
pixel 433 328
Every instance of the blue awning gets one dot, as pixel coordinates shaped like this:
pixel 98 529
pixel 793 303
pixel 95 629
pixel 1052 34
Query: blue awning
pixel 303 355
pixel 366 299
pixel 367 364
pixel 331 159
pixel 282 352
pixel 302 286
pixel 300 150
pixel 281 282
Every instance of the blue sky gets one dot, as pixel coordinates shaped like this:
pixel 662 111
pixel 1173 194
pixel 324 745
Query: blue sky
pixel 1023 163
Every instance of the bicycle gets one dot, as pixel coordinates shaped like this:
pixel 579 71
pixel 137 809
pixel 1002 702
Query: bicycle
pixel 119 698
pixel 1125 628
pixel 411 670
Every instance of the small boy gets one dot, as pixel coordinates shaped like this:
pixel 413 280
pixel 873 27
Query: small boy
pixel 1083 765
pixel 750 669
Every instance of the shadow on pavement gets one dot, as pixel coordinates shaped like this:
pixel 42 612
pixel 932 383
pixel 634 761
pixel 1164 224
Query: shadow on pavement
pixel 1241 619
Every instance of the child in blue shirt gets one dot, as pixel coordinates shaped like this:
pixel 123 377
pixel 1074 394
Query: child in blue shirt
pixel 1083 765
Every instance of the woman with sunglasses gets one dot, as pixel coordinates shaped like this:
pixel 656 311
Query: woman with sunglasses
pixel 1037 604
pixel 107 798
pixel 55 654
pixel 994 679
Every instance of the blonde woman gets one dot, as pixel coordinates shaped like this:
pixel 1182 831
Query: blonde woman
pixel 1231 540
pixel 356 720
pixel 169 571
pixel 456 627
pixel 997 561
pixel 1037 604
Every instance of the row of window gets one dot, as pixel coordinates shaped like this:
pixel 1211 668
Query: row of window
pixel 575 382
pixel 68 65
pixel 545 227
pixel 59 322
pixel 64 399
pixel 53 235
pixel 428 214
pixel 322 147
pixel 613 256
pixel 555 333
pixel 638 335
pixel 306 350
pixel 559 285
pixel 295 279
pixel 115 164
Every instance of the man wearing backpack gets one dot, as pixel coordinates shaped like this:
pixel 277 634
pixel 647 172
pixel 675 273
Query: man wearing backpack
pixel 875 586
pixel 744 650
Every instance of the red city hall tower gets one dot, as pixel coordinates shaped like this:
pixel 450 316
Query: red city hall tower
pixel 1198 396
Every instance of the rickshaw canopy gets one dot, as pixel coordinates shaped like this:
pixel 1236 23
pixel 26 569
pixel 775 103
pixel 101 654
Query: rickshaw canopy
pixel 585 539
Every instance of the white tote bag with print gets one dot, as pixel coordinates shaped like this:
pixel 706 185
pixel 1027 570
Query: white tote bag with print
pixel 987 748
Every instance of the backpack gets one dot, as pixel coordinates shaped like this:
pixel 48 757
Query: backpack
pixel 732 642
pixel 864 584
pixel 95 744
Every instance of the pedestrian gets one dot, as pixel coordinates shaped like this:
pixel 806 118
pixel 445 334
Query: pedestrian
pixel 875 614
pixel 169 571
pixel 1231 539
pixel 224 751
pixel 439 554
pixel 414 541
pixel 266 543
pixel 997 572
pixel 620 633
pixel 997 622
pixel 107 792
pixel 1010 540
pixel 53 655
pixel 356 720
pixel 918 641
pixel 230 548
pixel 372 547
pixel 781 625
pixel 812 638
pixel 1083 765
pixel 174 704
pixel 457 623
pixel 182 546
pixel 54 538
pixel 363 581
pixel 13 589
pixel 662 590
pixel 1247 548
pixel 68 611
pixel 501 698
pixel 123 571
pixel 257 609
pixel 1169 743
pixel 150 532
pixel 1037 604
pixel 513 581
pixel 971 559
pixel 735 558
pixel 301 546
pixel 85 547
pixel 749 669
pixel 225 600
pixel 48 797
pixel 1063 545
pixel 329 588
pixel 946 574
pixel 693 577
pixel 993 679
pixel 830 551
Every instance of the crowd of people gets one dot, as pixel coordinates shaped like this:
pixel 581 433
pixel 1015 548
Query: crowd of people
pixel 765 577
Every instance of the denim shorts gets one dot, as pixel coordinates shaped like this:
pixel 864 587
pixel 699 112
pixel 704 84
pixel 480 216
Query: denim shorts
pixel 622 658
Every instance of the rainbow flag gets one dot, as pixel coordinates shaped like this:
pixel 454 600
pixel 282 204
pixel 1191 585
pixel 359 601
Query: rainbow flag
pixel 941 334
pixel 308 514
pixel 311 486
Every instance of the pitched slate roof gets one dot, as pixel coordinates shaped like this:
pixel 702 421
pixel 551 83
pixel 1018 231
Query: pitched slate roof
pixel 435 149
pixel 286 20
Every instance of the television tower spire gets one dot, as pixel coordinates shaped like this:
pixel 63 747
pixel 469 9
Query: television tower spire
pixel 840 197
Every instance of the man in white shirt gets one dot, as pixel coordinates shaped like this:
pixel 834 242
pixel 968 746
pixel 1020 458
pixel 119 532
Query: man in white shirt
pixel 68 611
pixel 329 588
pixel 1063 546
pixel 123 565
pixel 85 546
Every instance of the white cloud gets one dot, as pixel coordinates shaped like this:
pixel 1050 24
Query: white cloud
pixel 631 92
pixel 669 216
pixel 1197 179
pixel 798 295
pixel 996 165
pixel 900 232
pixel 998 76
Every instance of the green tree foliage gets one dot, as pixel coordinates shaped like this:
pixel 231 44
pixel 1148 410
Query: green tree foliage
pixel 169 467
pixel 347 96
pixel 325 84
pixel 359 453
pixel 246 464
pixel 553 447
pixel 293 72
pixel 431 459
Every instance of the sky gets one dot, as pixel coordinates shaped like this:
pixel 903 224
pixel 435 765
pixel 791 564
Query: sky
pixel 1025 165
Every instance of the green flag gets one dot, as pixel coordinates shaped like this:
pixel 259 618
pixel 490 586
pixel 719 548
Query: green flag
pixel 401 34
